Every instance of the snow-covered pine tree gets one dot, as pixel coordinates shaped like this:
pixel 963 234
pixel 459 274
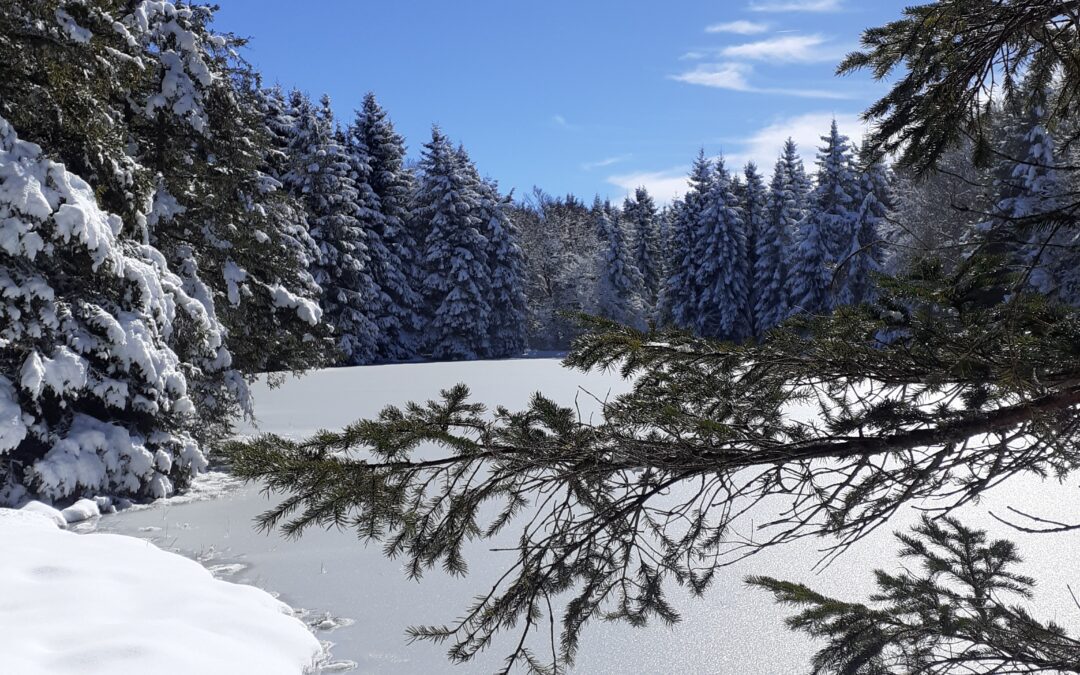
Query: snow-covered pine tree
pixel 509 306
pixel 374 144
pixel 120 370
pixel 147 103
pixel 1031 190
pixel 455 265
pixel 320 176
pixel 825 235
pixel 106 362
pixel 754 207
pixel 720 251
pixel 642 221
pixel 619 283
pixel 196 124
pixel 774 244
pixel 866 256
pixel 801 184
pixel 680 295
pixel 505 286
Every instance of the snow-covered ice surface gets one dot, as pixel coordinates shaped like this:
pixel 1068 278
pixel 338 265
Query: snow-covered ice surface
pixel 116 605
pixel 361 602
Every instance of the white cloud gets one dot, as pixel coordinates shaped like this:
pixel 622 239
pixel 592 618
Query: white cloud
pixel 664 186
pixel 786 49
pixel 719 75
pixel 607 161
pixel 738 27
pixel 796 6
pixel 733 76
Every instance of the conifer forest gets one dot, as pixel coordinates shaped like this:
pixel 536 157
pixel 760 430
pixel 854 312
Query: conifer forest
pixel 596 410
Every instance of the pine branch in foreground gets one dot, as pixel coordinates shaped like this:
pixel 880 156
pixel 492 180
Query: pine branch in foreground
pixel 951 618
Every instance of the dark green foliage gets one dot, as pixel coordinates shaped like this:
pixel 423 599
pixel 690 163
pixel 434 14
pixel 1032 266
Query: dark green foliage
pixel 951 617
pixel 958 58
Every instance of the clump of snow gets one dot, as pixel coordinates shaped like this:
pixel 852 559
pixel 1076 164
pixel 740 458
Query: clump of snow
pixel 308 310
pixel 194 623
pixel 47 511
pixel 12 426
pixel 84 509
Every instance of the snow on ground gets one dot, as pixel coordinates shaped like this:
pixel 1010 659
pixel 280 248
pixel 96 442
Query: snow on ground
pixel 362 602
pixel 116 605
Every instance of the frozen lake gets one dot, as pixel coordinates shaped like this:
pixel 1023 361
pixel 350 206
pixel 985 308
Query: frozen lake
pixel 330 574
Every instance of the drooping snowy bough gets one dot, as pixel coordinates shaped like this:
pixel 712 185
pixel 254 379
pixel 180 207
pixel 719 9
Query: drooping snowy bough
pixel 104 357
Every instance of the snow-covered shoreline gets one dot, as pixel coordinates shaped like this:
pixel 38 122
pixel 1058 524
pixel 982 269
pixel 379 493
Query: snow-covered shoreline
pixel 113 604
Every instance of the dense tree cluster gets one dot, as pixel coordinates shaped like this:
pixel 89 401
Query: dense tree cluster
pixel 171 228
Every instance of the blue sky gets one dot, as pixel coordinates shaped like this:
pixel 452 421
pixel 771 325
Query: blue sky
pixel 583 96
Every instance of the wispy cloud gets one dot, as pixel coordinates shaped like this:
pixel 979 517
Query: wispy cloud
pixel 733 76
pixel 738 27
pixel 719 75
pixel 796 6
pixel 785 49
pixel 607 161
pixel 562 123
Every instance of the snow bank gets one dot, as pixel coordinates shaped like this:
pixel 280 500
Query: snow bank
pixel 116 605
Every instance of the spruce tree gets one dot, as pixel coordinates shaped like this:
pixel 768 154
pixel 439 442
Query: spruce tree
pixel 320 176
pixel 196 125
pixel 681 295
pixel 642 221
pixel 505 287
pixel 619 283
pixel 378 153
pixel 754 208
pixel 774 244
pixel 105 356
pixel 720 251
pixel 866 255
pixel 456 282
pixel 826 234
pixel 150 127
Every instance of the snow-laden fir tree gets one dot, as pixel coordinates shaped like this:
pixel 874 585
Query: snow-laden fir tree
pixel 825 235
pixel 507 328
pixel 642 223
pixel 321 176
pixel 505 287
pixel 774 244
pixel 866 255
pixel 97 341
pixel 680 294
pixel 619 283
pixel 194 123
pixel 720 252
pixel 152 109
pixel 377 154
pixel 801 184
pixel 754 206
pixel 1032 190
pixel 455 262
